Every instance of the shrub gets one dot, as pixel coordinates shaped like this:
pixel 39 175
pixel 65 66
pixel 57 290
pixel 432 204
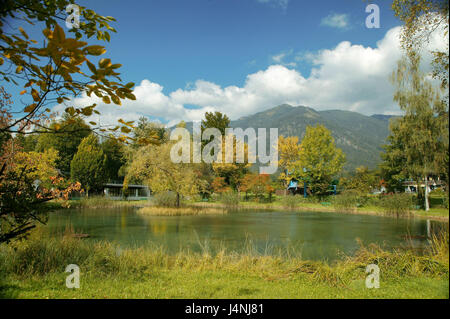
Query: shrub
pixel 165 199
pixel 397 204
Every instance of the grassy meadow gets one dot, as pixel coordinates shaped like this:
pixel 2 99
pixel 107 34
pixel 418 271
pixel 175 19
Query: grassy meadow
pixel 34 268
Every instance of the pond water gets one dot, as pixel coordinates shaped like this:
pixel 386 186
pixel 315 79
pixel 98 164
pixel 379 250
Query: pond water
pixel 316 236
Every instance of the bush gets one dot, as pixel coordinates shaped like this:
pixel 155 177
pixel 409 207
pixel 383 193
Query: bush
pixel 397 204
pixel 165 199
pixel 230 198
pixel 346 201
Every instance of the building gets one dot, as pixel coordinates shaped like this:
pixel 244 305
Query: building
pixel 134 192
pixel 411 186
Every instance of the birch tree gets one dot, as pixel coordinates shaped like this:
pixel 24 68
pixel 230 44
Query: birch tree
pixel 423 130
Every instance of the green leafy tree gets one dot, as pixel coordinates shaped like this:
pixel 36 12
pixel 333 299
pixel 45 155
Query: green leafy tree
pixel 393 160
pixel 422 133
pixel 89 165
pixel 363 180
pixel 216 120
pixel 421 18
pixel 152 164
pixel 319 159
pixel 28 142
pixel 115 157
pixel 72 130
pixel 147 132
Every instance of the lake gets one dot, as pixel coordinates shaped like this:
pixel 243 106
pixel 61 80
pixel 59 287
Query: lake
pixel 316 236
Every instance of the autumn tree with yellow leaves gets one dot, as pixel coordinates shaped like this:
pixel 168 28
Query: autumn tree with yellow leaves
pixel 316 160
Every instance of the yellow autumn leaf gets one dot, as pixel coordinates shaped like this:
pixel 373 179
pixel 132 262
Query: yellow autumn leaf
pixel 106 100
pixel 35 95
pixel 23 32
pixel 116 100
pixel 58 34
pixel 30 108
pixel 104 63
pixel 95 50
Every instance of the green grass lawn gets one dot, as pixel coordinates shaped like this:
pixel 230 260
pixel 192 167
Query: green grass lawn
pixel 217 284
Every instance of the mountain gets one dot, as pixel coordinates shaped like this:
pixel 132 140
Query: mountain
pixel 383 117
pixel 359 136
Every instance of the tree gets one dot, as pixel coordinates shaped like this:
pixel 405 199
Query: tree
pixel 232 172
pixel 219 186
pixel 22 201
pixel 146 132
pixel 28 142
pixel 421 18
pixel 152 164
pixel 115 157
pixel 393 160
pixel 422 132
pixel 363 180
pixel 20 197
pixel 5 117
pixel 247 183
pixel 319 159
pixel 59 67
pixel 89 165
pixel 216 120
pixel 39 166
pixel 52 70
pixel 258 184
pixel 262 185
pixel 289 154
pixel 66 141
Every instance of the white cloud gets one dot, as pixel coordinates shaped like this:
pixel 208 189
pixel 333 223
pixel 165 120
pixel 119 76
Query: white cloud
pixel 348 77
pixel 336 20
pixel 280 58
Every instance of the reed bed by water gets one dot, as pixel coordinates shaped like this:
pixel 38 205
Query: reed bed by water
pixel 180 211
pixel 36 268
pixel 104 202
pixel 38 256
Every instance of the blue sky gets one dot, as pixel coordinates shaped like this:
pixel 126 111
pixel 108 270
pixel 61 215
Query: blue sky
pixel 245 56
pixel 177 42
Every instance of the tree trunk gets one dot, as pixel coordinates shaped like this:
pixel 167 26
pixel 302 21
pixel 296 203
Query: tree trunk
pixel 178 200
pixel 427 204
